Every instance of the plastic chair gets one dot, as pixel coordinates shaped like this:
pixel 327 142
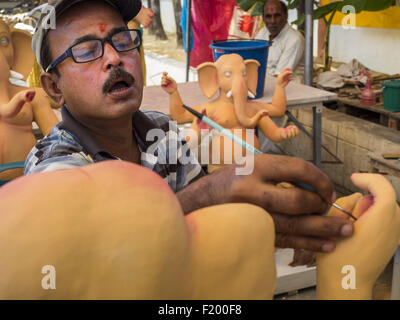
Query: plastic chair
pixel 10 166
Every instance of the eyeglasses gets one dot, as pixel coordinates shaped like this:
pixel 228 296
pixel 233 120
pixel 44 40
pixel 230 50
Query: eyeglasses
pixel 90 50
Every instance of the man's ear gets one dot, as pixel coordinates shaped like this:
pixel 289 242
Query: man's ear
pixel 50 86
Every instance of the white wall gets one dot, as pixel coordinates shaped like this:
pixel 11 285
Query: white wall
pixel 167 15
pixel 377 49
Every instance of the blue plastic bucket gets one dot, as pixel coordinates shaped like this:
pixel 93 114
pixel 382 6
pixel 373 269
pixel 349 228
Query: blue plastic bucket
pixel 247 49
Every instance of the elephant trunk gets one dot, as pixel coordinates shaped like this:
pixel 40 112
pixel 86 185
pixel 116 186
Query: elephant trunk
pixel 240 93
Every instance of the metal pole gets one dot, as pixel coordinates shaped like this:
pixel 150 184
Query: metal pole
pixel 308 79
pixel 308 62
pixel 188 24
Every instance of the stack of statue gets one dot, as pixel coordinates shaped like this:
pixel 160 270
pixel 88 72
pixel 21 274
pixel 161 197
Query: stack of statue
pixel 237 81
pixel 19 105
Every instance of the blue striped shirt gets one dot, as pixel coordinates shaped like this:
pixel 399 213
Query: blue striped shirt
pixel 70 145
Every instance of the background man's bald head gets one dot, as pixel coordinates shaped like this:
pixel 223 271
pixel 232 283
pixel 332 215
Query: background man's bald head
pixel 278 3
pixel 275 17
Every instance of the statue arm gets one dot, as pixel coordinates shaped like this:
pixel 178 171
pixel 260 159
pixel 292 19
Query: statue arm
pixel 178 113
pixel 273 132
pixel 278 101
pixel 278 106
pixel 176 110
pixel 270 130
pixel 9 109
pixel 43 113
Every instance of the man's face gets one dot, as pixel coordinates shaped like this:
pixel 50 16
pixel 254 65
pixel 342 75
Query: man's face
pixel 96 90
pixel 274 17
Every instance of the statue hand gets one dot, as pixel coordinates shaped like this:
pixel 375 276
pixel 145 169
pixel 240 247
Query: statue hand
pixel 289 132
pixel 284 77
pixel 145 16
pixel 168 84
pixel 368 251
pixel 15 105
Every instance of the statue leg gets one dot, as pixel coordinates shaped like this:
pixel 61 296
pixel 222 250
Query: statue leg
pixel 232 254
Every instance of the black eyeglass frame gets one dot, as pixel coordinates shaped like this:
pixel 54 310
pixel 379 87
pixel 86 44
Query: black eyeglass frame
pixel 68 53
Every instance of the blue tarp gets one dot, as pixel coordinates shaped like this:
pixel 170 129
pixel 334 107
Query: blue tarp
pixel 184 26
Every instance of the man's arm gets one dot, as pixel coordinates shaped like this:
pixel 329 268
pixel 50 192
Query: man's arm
pixel 296 212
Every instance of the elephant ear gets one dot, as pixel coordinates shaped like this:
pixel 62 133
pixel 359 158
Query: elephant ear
pixel 24 57
pixel 208 78
pixel 252 74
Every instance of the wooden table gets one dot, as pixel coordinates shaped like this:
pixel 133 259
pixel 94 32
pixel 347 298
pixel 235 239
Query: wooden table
pixel 298 96
pixel 386 166
pixel 387 118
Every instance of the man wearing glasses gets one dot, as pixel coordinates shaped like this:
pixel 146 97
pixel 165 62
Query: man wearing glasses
pixel 92 68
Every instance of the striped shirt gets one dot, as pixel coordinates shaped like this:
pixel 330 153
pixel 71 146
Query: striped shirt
pixel 70 145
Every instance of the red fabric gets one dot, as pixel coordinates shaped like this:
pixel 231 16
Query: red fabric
pixel 246 24
pixel 210 21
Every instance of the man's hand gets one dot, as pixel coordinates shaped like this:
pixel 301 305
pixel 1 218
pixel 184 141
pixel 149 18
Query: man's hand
pixel 297 213
pixel 168 84
pixel 284 77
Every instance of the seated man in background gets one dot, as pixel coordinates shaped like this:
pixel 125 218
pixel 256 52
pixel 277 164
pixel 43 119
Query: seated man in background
pixel 287 48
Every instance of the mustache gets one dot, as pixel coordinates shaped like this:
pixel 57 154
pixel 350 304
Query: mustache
pixel 117 74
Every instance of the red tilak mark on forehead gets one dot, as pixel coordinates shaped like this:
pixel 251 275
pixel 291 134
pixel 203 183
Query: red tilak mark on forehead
pixel 102 27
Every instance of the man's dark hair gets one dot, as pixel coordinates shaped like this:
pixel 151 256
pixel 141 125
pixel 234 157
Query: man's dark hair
pixel 46 57
pixel 284 7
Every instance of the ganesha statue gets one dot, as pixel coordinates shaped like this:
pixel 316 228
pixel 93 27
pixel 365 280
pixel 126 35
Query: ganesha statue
pixel 236 80
pixel 19 105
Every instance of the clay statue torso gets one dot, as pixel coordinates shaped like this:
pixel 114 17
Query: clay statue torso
pixel 224 114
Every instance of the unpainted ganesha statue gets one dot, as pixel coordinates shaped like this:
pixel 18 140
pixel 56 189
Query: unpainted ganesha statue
pixel 19 105
pixel 237 80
